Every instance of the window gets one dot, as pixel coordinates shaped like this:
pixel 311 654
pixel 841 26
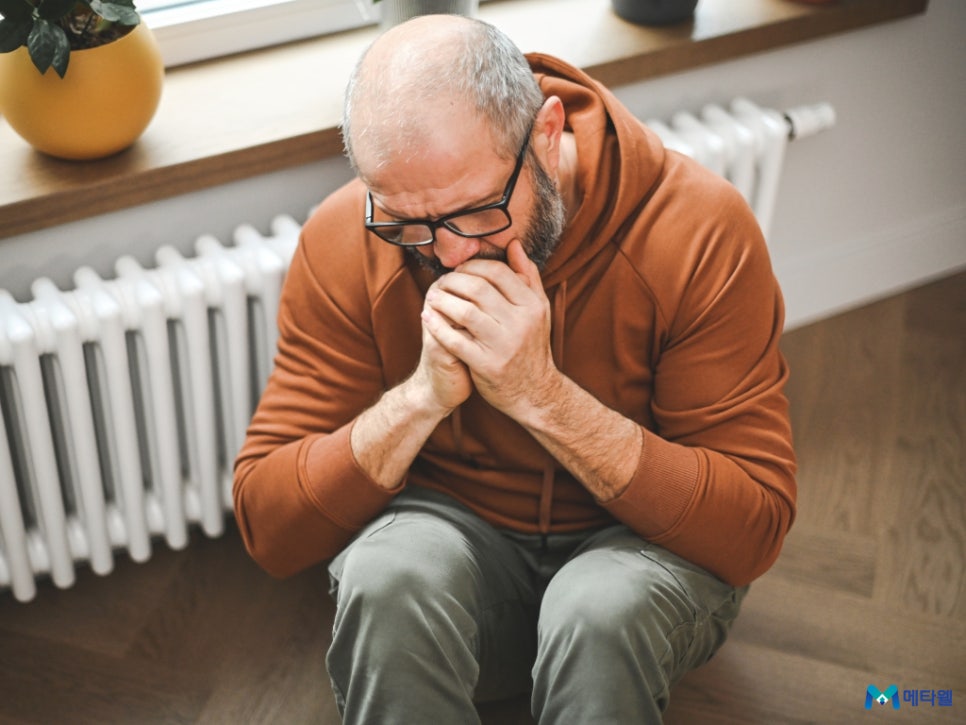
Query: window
pixel 192 30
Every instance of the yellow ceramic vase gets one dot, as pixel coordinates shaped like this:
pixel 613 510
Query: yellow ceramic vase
pixel 101 106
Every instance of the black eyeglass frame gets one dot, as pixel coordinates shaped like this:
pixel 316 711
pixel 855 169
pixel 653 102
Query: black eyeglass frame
pixel 503 205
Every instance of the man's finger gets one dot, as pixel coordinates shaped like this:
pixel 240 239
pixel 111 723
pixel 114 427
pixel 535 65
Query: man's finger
pixel 519 262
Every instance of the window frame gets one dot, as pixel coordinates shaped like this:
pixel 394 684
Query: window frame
pixel 195 30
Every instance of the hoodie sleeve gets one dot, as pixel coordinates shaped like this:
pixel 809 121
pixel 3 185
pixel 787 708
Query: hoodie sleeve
pixel 299 493
pixel 715 481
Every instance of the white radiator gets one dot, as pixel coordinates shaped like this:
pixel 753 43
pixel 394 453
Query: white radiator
pixel 124 401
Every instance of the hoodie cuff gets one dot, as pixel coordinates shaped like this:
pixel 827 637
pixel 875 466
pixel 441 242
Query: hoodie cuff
pixel 661 490
pixel 332 478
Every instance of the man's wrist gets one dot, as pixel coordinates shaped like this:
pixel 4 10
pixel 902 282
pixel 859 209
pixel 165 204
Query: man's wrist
pixel 600 446
pixel 543 405
pixel 418 397
pixel 388 436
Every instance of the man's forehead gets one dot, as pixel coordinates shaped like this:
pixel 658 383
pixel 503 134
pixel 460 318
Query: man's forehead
pixel 444 183
pixel 443 149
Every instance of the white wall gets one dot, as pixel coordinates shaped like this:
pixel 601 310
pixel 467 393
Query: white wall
pixel 868 208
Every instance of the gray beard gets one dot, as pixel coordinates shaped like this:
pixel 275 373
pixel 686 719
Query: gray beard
pixel 541 237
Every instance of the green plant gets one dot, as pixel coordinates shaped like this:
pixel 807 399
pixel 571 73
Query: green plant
pixel 51 29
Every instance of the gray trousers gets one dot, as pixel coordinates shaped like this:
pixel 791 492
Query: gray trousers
pixel 437 610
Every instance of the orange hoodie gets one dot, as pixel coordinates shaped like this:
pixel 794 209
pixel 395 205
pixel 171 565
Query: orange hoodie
pixel 665 307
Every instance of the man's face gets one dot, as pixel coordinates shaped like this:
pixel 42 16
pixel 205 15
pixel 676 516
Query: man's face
pixel 459 171
pixel 539 237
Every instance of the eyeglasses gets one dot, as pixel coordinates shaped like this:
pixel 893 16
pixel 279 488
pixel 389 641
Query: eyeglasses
pixel 480 221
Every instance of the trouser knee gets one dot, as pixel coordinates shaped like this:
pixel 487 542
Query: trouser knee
pixel 386 585
pixel 631 625
pixel 622 623
pixel 404 623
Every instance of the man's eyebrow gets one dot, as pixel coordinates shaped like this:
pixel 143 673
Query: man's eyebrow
pixel 476 204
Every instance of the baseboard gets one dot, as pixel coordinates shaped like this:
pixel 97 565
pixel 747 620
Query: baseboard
pixel 829 281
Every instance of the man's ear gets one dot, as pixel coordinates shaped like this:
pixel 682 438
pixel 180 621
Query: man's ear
pixel 548 129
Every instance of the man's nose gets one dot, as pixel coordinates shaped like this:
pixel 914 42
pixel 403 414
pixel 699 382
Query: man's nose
pixel 452 250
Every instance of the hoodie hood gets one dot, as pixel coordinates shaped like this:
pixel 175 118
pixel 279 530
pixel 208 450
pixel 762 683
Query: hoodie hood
pixel 602 126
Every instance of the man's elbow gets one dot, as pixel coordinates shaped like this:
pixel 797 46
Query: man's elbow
pixel 764 543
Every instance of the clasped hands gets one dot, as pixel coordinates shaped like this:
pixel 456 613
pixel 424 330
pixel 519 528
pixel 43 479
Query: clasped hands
pixel 486 325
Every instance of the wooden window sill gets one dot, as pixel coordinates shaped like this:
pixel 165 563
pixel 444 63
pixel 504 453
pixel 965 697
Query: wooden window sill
pixel 268 110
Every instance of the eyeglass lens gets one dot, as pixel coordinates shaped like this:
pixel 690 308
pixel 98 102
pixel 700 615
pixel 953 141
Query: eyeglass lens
pixel 475 224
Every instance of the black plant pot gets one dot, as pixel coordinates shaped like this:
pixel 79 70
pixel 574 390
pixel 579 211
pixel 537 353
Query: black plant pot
pixel 655 12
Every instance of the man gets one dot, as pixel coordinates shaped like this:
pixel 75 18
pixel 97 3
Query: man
pixel 528 396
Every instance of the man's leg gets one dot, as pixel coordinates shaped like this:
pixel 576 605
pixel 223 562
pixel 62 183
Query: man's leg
pixel 620 622
pixel 434 608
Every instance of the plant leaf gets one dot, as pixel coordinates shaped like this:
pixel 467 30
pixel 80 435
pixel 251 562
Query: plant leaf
pixel 55 9
pixel 13 34
pixel 15 9
pixel 116 12
pixel 48 46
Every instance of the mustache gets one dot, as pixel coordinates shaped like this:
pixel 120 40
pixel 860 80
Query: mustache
pixel 433 264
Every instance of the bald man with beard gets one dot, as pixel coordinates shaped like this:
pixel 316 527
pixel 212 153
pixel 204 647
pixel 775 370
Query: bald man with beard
pixel 528 402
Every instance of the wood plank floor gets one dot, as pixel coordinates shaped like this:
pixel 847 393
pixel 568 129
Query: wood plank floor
pixel 870 589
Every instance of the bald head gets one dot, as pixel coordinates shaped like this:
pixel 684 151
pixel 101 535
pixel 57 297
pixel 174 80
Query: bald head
pixel 431 71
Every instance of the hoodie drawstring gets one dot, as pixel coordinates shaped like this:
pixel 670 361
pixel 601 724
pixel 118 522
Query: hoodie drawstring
pixel 559 319
pixel 456 424
pixel 559 314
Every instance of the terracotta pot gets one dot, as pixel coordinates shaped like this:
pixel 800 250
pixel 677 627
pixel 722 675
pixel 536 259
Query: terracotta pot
pixel 101 106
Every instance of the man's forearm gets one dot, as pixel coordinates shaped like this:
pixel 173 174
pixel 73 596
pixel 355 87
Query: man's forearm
pixel 387 437
pixel 595 443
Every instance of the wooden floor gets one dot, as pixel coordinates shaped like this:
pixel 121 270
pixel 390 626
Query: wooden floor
pixel 870 589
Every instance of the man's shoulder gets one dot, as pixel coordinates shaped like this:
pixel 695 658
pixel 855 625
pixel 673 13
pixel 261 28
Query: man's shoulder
pixel 337 246
pixel 690 212
pixel 693 236
pixel 338 214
